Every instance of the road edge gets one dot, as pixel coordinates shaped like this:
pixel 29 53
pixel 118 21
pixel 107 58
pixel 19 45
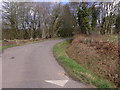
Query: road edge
pixel 61 58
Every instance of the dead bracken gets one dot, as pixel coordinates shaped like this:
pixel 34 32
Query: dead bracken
pixel 99 55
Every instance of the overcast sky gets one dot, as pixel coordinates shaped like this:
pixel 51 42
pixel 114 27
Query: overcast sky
pixel 60 0
pixel 73 0
pixel 51 0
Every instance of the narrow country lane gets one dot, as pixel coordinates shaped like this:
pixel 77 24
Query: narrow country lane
pixel 34 66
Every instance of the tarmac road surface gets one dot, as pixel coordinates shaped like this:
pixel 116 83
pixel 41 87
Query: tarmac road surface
pixel 34 66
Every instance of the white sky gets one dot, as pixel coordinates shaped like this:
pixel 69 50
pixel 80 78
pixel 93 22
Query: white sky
pixel 59 0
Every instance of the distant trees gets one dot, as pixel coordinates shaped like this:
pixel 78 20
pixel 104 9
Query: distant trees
pixel 83 18
pixel 10 15
pixel 108 18
pixel 25 20
pixel 117 24
pixel 94 14
pixel 67 22
pixel 55 20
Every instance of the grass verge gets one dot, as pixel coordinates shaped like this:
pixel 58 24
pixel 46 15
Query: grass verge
pixel 2 48
pixel 77 71
pixel 14 45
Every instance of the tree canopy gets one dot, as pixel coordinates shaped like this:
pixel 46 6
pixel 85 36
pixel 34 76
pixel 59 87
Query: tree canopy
pixel 25 20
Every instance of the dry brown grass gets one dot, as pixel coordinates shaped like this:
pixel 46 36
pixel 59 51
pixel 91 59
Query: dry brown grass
pixel 99 56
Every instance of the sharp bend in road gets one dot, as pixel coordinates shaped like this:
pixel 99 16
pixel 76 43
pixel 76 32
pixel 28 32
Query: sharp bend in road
pixel 34 66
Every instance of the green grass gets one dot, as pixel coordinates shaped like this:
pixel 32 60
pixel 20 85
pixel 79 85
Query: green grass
pixel 113 38
pixel 77 71
pixel 31 42
pixel 9 46
pixel 14 45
